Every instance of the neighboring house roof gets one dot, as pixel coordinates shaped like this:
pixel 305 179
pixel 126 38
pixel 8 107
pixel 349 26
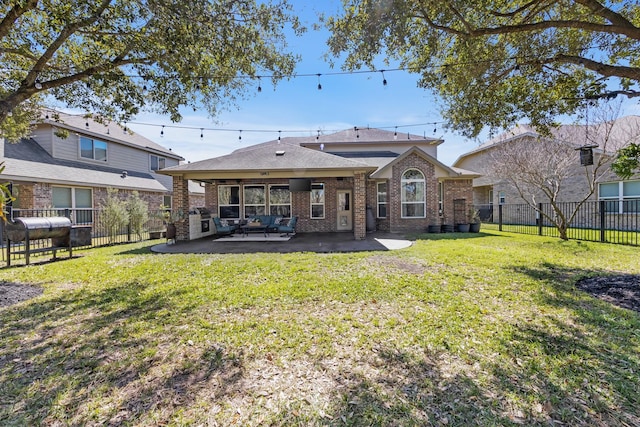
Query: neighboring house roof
pixel 609 136
pixel 272 156
pixel 364 136
pixel 108 130
pixel 446 170
pixel 26 160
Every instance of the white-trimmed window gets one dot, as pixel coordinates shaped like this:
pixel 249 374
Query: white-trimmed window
pixel 502 198
pixel 317 201
pixel 157 162
pixel 79 199
pixel 413 194
pixel 621 196
pixel 382 199
pixel 280 200
pixel 255 200
pixel 229 201
pixel 93 149
pixel 167 201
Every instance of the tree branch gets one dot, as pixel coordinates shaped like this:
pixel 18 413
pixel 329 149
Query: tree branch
pixel 608 14
pixel 514 12
pixel 13 15
pixel 62 37
pixel 600 68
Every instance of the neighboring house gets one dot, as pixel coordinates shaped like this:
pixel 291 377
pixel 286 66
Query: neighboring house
pixel 609 137
pixel 70 162
pixel 350 181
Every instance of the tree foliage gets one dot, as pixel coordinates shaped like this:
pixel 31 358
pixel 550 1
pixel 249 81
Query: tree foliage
pixel 115 216
pixel 627 162
pixel 5 196
pixel 116 57
pixel 138 211
pixel 494 62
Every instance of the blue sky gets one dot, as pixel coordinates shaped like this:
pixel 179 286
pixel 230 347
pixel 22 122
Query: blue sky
pixel 297 105
pixel 345 101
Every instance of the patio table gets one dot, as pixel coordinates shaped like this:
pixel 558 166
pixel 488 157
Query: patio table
pixel 246 229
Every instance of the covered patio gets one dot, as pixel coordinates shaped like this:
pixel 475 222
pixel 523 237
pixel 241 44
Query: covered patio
pixel 259 180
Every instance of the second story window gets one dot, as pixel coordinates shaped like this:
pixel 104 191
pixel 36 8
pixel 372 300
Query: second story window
pixel 157 162
pixel 93 149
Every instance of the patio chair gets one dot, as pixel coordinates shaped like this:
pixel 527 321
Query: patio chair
pixel 289 227
pixel 222 229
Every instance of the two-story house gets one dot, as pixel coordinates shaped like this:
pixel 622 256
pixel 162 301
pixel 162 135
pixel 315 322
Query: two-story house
pixel 349 181
pixel 70 160
pixel 605 138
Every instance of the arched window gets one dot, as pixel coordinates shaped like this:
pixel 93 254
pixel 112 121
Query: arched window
pixel 413 194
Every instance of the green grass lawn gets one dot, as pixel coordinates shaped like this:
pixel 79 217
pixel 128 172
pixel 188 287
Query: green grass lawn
pixel 488 330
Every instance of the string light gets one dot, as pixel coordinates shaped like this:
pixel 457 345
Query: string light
pixel 384 81
pixel 38 85
pixel 280 132
pixel 319 85
pixel 259 84
pixel 279 135
pixel 201 133
pixel 240 136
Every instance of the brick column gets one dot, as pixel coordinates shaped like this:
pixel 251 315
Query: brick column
pixel 359 206
pixel 181 204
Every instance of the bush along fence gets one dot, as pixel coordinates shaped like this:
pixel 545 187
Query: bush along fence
pixel 599 221
pixel 90 228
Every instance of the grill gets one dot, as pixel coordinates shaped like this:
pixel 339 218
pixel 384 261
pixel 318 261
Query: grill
pixel 204 213
pixel 26 230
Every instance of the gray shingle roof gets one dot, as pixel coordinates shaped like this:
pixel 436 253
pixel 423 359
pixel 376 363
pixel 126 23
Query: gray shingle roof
pixel 362 135
pixel 270 156
pixel 26 160
pixel 608 135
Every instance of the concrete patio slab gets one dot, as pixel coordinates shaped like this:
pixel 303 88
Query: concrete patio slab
pixel 301 242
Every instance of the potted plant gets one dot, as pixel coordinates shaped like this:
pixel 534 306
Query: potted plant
pixel 171 218
pixel 463 227
pixel 474 220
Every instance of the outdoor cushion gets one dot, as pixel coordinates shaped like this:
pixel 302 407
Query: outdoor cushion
pixel 290 227
pixel 222 229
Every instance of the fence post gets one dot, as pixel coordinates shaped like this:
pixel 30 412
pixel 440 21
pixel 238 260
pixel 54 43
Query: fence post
pixel 500 217
pixel 602 220
pixel 540 217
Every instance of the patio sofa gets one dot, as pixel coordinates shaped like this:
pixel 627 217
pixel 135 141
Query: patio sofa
pixel 224 228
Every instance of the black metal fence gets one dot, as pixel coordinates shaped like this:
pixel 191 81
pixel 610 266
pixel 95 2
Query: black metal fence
pixel 103 230
pixel 600 221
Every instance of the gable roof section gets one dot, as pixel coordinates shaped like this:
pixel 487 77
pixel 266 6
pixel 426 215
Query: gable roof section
pixel 109 131
pixel 28 161
pixel 271 156
pixel 448 171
